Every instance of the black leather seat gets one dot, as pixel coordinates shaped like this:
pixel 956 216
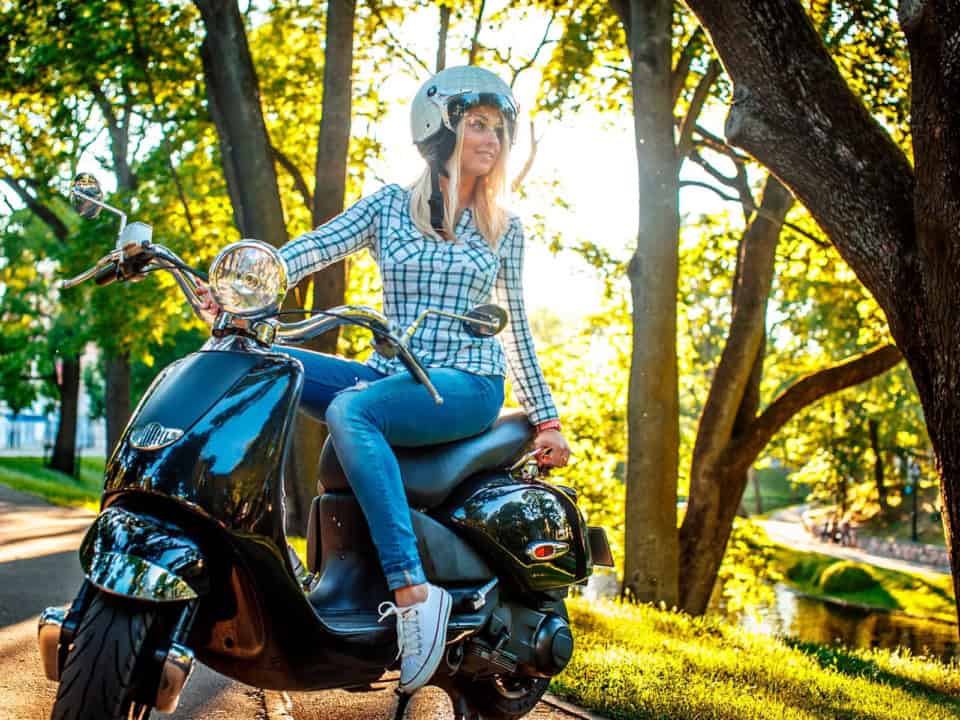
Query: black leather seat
pixel 431 473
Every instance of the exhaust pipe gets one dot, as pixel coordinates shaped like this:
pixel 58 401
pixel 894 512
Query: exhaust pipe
pixel 178 663
pixel 48 638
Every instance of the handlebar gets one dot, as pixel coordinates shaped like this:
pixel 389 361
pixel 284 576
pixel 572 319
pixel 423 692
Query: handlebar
pixel 149 256
pixel 303 330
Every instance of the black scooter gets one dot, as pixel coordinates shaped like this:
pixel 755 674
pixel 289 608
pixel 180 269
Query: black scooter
pixel 188 555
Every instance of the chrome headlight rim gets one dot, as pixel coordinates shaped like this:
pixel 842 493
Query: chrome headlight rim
pixel 249 243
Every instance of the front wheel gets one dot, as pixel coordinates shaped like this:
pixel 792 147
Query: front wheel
pixel 99 678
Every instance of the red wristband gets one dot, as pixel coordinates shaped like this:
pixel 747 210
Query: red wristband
pixel 548 425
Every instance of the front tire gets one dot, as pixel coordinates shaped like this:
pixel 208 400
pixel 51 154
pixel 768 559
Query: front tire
pixel 99 679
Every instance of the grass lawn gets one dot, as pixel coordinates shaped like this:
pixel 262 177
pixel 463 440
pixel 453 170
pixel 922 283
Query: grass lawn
pixel 640 662
pixel 29 475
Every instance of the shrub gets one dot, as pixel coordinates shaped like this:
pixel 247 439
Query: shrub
pixel 846 577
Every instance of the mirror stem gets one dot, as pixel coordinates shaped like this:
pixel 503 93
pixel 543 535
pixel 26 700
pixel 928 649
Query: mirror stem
pixel 110 208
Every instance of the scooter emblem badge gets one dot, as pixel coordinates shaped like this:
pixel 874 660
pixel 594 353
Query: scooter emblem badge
pixel 154 436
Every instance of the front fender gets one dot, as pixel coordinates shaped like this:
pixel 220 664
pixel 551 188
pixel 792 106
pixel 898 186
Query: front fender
pixel 141 557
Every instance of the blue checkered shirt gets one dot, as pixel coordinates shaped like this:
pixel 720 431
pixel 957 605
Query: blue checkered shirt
pixel 419 272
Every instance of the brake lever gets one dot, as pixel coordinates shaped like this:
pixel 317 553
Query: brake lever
pixel 419 373
pixel 112 257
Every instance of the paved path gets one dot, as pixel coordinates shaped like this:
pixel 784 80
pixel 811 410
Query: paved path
pixel 784 527
pixel 39 567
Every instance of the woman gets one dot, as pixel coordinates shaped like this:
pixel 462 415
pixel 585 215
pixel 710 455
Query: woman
pixel 445 243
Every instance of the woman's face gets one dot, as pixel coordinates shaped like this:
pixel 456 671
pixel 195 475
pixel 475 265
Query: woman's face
pixel 483 132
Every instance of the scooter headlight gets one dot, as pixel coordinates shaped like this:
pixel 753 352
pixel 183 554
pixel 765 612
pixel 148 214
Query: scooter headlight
pixel 248 278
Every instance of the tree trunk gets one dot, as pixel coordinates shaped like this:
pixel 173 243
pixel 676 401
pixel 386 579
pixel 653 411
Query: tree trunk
pixel 233 93
pixel 899 231
pixel 330 284
pixel 442 37
pixel 715 490
pixel 650 553
pixel 117 398
pixel 64 456
pixel 874 428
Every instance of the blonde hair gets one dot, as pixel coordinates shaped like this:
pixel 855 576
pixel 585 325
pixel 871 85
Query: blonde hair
pixel 489 194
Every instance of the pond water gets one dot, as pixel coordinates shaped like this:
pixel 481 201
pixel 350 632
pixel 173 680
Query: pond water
pixel 825 623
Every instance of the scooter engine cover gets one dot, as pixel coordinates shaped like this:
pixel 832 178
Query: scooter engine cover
pixel 532 532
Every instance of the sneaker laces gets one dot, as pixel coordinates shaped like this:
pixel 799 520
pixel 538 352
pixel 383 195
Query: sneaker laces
pixel 409 638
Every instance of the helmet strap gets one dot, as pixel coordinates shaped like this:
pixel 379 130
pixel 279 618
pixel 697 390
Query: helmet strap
pixel 436 199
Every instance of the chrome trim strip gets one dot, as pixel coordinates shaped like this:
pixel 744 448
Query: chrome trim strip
pixel 48 638
pixel 154 436
pixel 133 577
pixel 177 667
pixel 559 549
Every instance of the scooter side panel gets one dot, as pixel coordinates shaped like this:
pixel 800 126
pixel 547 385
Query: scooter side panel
pixel 228 463
pixel 501 517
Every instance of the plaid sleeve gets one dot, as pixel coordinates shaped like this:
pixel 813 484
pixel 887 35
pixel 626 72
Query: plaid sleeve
pixel 524 369
pixel 350 231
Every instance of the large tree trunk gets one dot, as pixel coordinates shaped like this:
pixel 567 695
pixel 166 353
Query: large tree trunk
pixel 117 398
pixel 64 456
pixel 899 233
pixel 330 284
pixel 651 551
pixel 233 93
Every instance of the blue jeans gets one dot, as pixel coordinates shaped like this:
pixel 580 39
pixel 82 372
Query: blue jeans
pixel 366 412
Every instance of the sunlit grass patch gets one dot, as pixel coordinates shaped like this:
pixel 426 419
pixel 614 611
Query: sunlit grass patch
pixel 639 662
pixel 29 475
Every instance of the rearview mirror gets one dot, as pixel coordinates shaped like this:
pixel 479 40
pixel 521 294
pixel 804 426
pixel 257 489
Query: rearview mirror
pixel 86 187
pixel 485 320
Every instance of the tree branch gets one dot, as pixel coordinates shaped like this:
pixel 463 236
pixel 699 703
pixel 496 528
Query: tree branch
pixel 700 95
pixel 682 68
pixel 806 391
pixel 409 57
pixel 43 212
pixel 531 156
pixel 475 40
pixel 544 41
pixel 795 113
pixel 298 180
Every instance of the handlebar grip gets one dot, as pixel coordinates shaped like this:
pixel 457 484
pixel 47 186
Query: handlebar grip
pixel 107 274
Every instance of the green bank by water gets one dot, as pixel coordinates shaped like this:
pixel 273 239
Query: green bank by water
pixel 919 594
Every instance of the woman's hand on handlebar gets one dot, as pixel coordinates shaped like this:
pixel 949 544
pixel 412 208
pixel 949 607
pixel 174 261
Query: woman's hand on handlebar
pixel 210 308
pixel 554 444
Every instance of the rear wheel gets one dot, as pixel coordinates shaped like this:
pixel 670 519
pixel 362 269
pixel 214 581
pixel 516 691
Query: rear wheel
pixel 504 697
pixel 99 678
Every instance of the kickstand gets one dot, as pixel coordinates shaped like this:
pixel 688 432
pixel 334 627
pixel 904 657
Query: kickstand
pixel 404 700
pixel 463 711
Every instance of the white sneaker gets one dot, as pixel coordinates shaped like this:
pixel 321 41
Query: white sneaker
pixel 421 636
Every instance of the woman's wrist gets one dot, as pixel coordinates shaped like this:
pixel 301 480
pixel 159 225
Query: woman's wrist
pixel 548 425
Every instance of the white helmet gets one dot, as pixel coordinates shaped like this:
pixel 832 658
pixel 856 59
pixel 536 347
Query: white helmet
pixel 441 101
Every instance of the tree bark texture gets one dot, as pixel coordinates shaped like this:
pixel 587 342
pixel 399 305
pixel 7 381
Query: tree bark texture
pixel 330 284
pixel 731 405
pixel 651 550
pixel 233 95
pixel 896 227
pixel 117 398
pixel 64 456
